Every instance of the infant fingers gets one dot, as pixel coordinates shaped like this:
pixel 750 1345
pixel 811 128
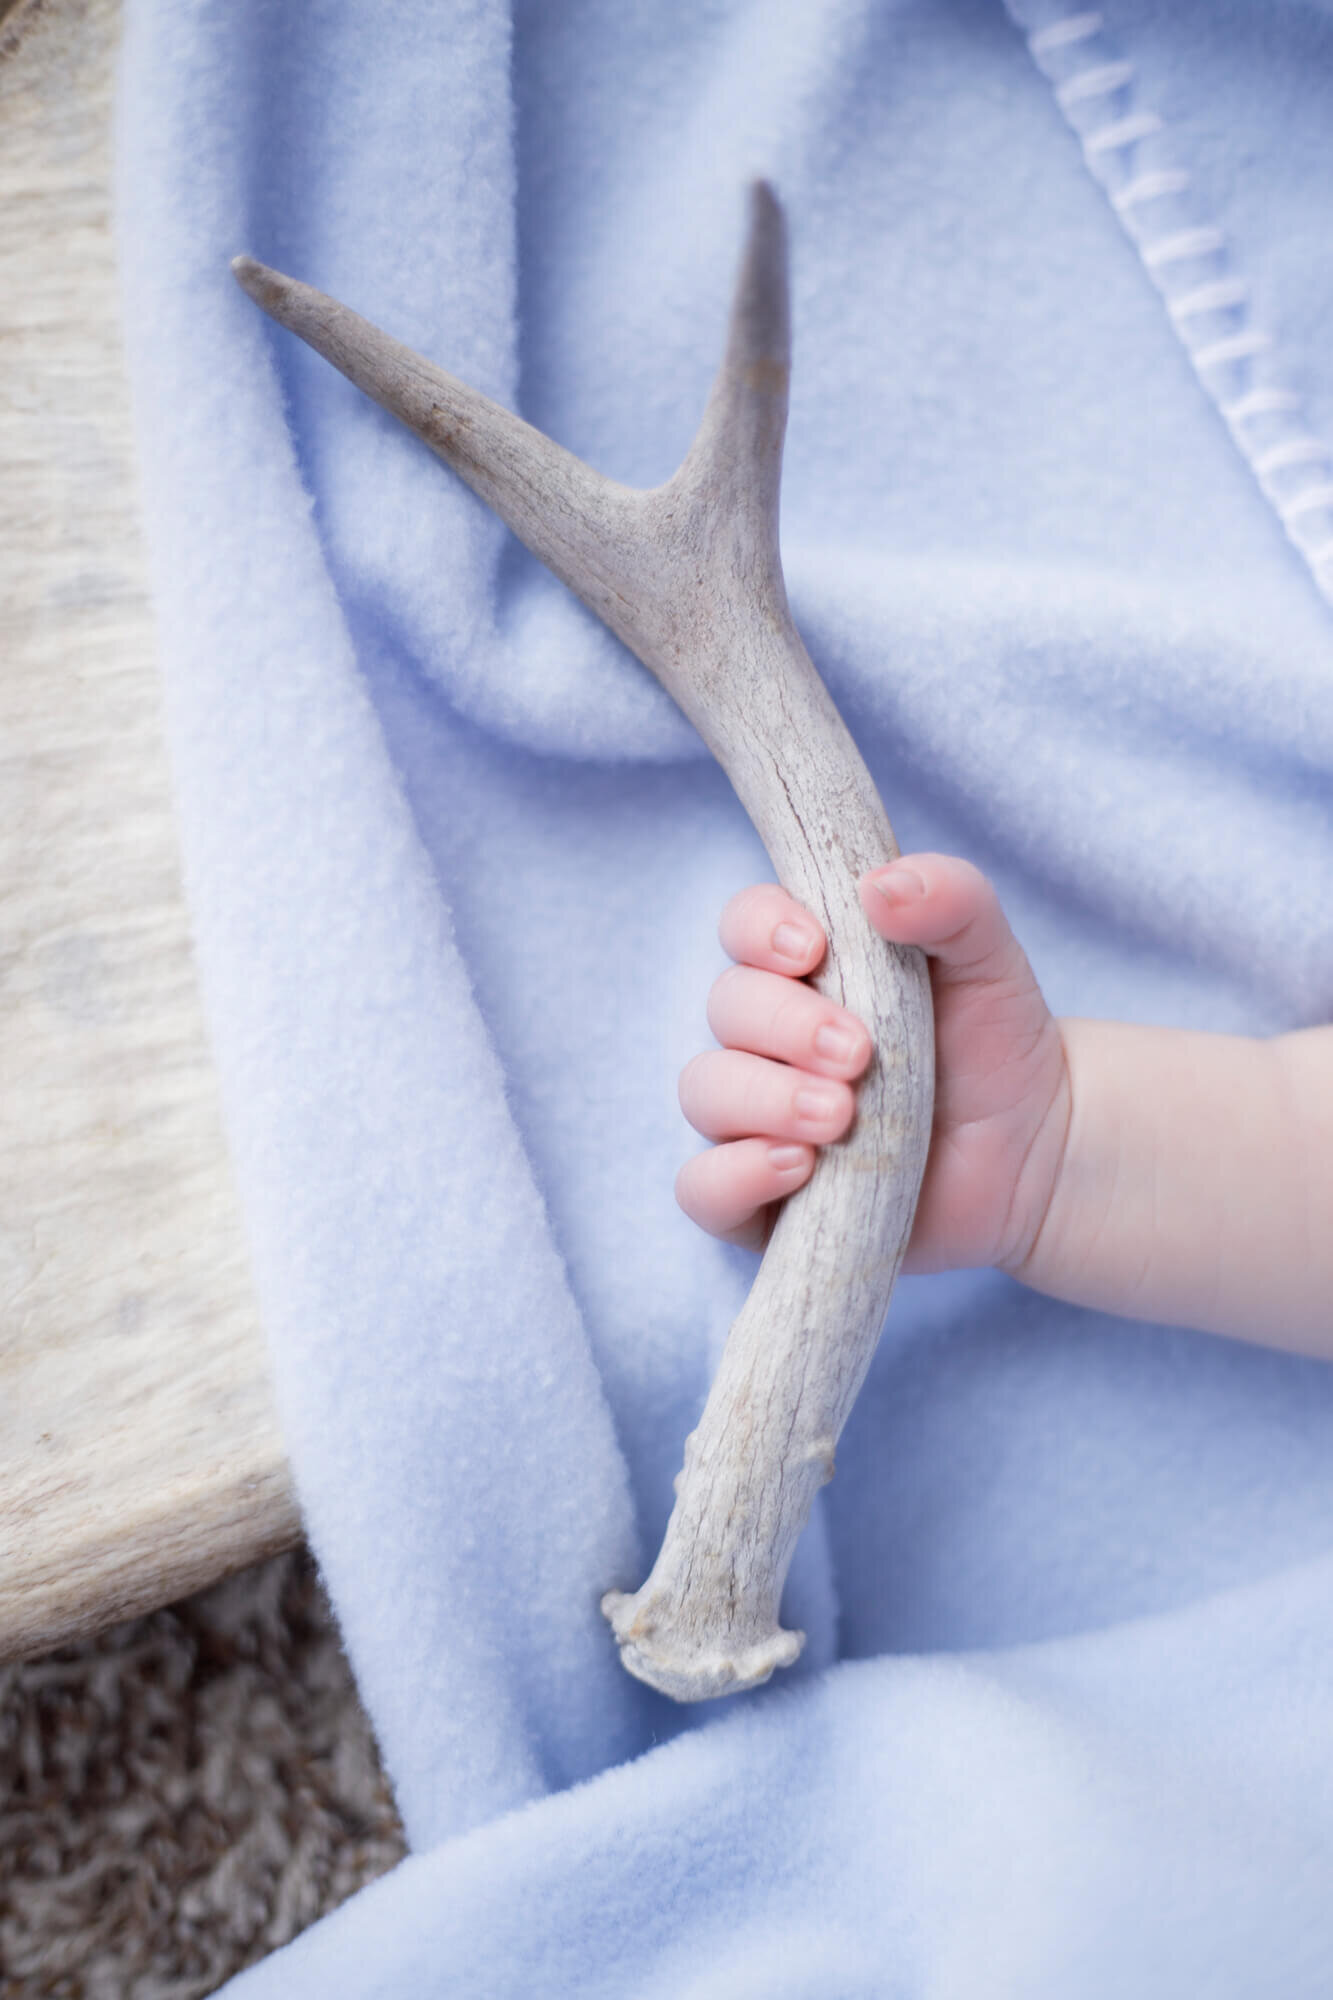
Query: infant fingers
pixel 765 926
pixel 787 1020
pixel 727 1094
pixel 729 1190
pixel 949 908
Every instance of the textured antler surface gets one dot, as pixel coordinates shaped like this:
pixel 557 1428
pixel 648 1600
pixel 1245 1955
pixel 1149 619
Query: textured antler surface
pixel 689 577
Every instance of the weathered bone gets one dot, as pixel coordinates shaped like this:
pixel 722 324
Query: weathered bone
pixel 688 576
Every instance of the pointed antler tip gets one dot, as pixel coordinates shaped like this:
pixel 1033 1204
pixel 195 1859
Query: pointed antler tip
pixel 768 219
pixel 767 233
pixel 264 285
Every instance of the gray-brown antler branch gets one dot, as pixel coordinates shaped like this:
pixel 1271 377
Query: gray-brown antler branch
pixel 689 577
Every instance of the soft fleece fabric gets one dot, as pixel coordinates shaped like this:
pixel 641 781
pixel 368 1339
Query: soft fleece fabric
pixel 1064 1722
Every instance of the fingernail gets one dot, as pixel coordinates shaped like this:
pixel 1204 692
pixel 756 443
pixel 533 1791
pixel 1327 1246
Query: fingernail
pixel 817 1104
pixel 836 1044
pixel 898 883
pixel 791 941
pixel 787 1158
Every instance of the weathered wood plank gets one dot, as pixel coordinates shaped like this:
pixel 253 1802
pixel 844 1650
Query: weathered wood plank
pixel 139 1451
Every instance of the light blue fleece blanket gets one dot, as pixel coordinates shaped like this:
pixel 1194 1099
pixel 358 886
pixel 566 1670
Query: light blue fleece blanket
pixel 1058 532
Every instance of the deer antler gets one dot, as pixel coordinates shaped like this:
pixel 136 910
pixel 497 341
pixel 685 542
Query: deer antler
pixel 688 576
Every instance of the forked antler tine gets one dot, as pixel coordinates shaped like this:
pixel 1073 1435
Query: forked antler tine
pixel 734 467
pixel 689 576
pixel 554 503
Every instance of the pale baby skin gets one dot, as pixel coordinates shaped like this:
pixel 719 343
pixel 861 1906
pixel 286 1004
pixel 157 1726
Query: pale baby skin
pixel 1158 1173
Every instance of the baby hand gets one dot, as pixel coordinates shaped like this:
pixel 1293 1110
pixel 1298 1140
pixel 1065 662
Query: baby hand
pixel 781 1084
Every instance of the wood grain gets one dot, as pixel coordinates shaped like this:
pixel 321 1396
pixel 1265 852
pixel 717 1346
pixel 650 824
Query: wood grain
pixel 140 1456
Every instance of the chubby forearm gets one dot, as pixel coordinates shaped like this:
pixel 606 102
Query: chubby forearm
pixel 1195 1184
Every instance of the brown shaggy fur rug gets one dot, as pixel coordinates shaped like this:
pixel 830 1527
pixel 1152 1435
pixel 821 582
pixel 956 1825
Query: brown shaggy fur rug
pixel 183 1794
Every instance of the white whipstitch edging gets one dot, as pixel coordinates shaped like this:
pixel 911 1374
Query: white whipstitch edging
pixel 1128 152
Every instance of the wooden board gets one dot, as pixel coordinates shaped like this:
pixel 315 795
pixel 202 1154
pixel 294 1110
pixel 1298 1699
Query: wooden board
pixel 140 1456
